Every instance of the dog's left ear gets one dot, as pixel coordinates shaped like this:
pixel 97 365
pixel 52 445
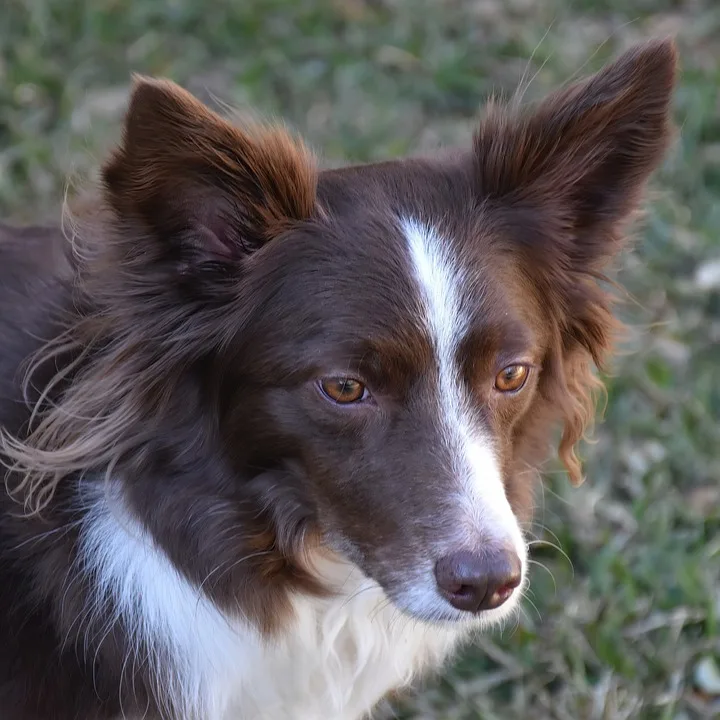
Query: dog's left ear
pixel 563 178
pixel 200 186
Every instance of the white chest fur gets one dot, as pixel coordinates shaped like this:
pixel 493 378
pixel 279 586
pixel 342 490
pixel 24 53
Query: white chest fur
pixel 336 661
pixel 342 656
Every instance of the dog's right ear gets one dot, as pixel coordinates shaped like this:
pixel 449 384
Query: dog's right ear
pixel 207 190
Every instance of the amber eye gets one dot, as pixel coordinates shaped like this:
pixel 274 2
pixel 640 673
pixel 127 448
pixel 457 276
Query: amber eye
pixel 343 390
pixel 511 378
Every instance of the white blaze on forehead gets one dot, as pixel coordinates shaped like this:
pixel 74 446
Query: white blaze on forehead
pixel 482 498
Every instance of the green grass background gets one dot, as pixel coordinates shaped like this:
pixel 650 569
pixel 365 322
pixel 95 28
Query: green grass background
pixel 622 619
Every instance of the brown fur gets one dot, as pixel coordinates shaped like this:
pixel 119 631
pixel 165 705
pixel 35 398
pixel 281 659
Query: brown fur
pixel 212 276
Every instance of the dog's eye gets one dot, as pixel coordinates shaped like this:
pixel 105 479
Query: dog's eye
pixel 511 378
pixel 343 390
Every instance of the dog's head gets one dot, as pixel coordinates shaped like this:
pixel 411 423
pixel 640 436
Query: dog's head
pixel 403 336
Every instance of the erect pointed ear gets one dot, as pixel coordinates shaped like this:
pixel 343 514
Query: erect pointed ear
pixel 585 153
pixel 206 188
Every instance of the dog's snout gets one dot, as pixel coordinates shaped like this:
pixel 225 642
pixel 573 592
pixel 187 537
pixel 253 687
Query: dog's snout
pixel 478 581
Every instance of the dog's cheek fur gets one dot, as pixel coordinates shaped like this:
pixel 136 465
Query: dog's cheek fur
pixel 223 528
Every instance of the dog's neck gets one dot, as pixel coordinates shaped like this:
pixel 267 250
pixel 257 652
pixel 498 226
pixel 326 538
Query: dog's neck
pixel 336 654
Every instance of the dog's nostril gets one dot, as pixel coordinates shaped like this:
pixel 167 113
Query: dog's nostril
pixel 478 581
pixel 502 594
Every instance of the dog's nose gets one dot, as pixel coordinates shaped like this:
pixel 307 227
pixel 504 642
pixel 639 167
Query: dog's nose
pixel 478 581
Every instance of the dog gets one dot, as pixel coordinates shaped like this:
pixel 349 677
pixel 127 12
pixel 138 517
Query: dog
pixel 271 433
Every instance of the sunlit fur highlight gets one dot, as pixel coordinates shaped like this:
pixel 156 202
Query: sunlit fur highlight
pixel 533 157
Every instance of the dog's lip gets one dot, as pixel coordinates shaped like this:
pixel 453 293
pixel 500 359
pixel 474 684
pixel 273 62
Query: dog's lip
pixel 450 617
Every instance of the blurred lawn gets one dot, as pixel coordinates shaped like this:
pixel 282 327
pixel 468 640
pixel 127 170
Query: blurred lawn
pixel 623 621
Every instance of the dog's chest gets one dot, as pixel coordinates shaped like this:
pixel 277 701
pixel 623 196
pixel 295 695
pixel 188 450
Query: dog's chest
pixel 338 660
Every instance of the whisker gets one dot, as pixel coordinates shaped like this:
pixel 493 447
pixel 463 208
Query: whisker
pixel 547 570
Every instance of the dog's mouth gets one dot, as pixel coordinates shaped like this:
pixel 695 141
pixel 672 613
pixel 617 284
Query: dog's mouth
pixel 480 590
pixel 482 605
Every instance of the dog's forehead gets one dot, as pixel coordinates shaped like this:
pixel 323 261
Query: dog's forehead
pixel 413 234
pixel 442 189
pixel 396 262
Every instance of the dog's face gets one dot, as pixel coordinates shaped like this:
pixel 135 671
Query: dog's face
pixel 403 336
pixel 396 359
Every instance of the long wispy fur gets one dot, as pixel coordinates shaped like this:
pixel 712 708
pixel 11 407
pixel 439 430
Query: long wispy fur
pixel 127 337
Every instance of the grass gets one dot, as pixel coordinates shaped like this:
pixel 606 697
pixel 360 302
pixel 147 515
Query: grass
pixel 625 604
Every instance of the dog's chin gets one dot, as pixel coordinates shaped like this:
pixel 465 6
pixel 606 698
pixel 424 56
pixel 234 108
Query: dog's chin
pixel 429 607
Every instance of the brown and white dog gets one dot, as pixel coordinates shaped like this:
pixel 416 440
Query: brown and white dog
pixel 280 428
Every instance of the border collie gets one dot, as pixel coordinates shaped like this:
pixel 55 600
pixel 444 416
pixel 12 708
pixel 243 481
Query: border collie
pixel 271 433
